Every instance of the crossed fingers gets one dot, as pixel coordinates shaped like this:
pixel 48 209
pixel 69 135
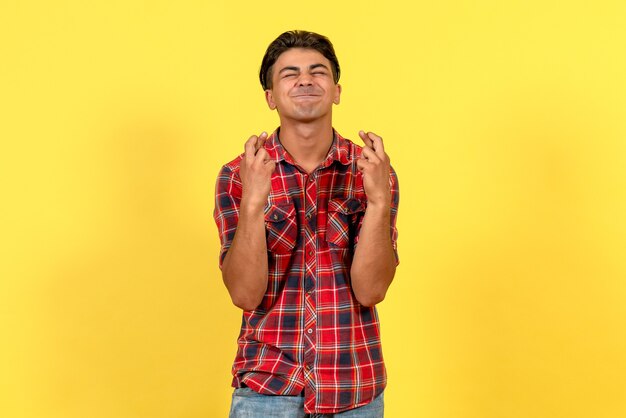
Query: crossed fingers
pixel 253 145
pixel 374 150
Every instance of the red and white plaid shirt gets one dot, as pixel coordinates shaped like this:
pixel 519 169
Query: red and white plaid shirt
pixel 309 332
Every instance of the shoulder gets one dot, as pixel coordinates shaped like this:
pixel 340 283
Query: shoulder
pixel 233 165
pixel 230 170
pixel 347 150
pixel 228 179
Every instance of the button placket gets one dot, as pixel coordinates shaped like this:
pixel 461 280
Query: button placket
pixel 310 262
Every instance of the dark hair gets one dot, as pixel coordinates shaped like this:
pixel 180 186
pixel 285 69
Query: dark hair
pixel 296 39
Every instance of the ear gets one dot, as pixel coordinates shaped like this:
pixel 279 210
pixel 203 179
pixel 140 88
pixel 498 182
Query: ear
pixel 337 94
pixel 270 99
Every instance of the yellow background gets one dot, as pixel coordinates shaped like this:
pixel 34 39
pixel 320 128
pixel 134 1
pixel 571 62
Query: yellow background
pixel 506 123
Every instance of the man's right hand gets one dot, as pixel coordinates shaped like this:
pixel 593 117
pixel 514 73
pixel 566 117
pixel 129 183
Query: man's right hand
pixel 256 171
pixel 245 266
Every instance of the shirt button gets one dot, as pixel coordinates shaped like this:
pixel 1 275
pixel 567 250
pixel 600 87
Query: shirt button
pixel 311 253
pixel 310 331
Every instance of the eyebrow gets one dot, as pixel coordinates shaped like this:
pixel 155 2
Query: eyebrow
pixel 297 69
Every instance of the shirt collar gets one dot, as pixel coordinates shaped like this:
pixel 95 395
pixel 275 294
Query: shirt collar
pixel 340 150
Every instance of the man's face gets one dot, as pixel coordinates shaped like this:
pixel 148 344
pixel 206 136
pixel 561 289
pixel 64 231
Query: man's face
pixel 303 88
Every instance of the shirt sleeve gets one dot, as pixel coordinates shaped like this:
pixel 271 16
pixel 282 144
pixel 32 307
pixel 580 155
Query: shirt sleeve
pixel 395 200
pixel 226 213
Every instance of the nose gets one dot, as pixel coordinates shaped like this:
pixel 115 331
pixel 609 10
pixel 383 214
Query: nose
pixel 305 80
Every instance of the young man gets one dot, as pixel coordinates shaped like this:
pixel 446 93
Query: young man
pixel 307 226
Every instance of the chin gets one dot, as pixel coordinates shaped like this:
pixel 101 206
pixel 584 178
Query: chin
pixel 305 114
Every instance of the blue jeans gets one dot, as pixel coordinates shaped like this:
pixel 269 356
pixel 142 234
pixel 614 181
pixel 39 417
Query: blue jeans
pixel 249 404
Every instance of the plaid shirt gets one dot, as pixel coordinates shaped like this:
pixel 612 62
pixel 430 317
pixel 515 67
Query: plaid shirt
pixel 309 333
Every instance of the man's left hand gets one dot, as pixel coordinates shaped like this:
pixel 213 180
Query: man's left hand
pixel 375 167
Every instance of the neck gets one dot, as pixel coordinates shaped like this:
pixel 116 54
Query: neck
pixel 308 143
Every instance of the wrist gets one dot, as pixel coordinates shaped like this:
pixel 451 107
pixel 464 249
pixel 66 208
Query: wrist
pixel 381 201
pixel 379 206
pixel 252 205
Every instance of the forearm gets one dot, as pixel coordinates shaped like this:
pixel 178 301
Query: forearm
pixel 374 261
pixel 244 269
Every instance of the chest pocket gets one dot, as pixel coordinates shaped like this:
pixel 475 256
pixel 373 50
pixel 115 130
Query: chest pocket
pixel 345 216
pixel 281 227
